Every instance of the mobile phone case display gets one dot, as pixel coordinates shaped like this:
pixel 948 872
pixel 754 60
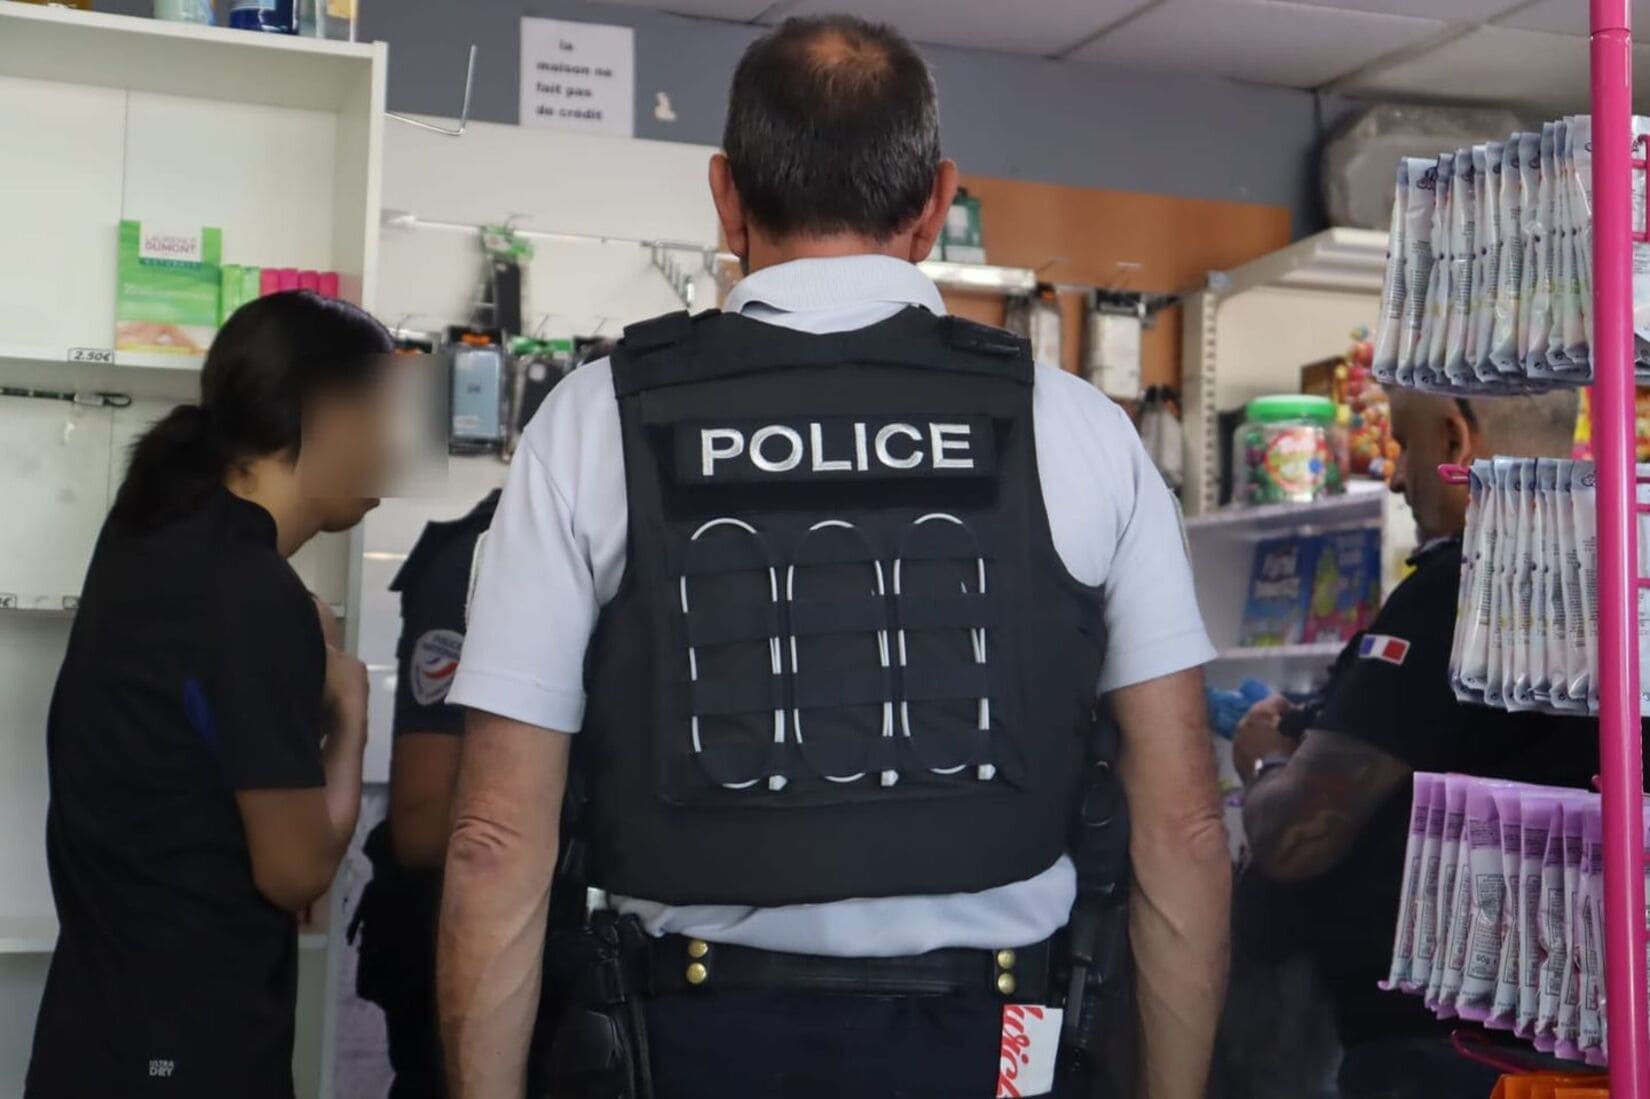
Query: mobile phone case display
pixel 1500 914
pixel 1488 281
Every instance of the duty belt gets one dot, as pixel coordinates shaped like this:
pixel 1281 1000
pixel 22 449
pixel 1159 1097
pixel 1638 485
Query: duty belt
pixel 677 964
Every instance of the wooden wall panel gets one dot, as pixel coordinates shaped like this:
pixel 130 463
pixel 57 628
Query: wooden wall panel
pixel 1085 235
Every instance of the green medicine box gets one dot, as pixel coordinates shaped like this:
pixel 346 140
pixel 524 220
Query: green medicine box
pixel 168 292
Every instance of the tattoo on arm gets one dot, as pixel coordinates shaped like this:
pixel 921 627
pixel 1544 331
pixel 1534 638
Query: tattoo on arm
pixel 1302 818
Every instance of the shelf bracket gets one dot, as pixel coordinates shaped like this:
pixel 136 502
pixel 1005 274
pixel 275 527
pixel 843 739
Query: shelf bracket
pixel 463 110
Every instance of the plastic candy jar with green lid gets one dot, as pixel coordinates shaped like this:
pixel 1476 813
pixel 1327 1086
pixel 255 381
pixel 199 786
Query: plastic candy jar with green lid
pixel 1288 450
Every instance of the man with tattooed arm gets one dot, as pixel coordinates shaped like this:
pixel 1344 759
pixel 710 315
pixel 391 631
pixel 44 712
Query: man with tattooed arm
pixel 1328 783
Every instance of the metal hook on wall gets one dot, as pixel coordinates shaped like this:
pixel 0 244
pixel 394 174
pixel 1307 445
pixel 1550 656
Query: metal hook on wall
pixel 463 111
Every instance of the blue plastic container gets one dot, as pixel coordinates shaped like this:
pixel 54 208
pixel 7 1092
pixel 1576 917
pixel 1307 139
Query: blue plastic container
pixel 269 16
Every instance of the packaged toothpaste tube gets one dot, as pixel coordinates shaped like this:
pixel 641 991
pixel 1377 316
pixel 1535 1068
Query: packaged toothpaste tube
pixel 1509 808
pixel 1426 925
pixel 1536 812
pixel 1555 950
pixel 1591 1030
pixel 1409 899
pixel 1484 889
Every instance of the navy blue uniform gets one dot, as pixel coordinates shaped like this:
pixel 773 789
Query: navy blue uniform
pixel 399 909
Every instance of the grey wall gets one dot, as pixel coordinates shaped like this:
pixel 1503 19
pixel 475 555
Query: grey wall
pixel 1004 115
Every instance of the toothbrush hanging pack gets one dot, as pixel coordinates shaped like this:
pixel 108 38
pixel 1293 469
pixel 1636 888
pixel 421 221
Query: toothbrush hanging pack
pixel 846 659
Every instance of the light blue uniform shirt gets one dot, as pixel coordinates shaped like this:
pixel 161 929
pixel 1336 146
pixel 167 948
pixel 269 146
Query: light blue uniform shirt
pixel 556 552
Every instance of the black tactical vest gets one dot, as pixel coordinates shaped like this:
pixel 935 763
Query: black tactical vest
pixel 845 659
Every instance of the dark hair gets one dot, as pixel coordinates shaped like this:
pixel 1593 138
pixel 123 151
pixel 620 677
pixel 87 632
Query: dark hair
pixel 833 127
pixel 268 360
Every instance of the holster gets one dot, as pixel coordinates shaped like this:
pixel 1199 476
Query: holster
pixel 599 1049
pixel 1097 1032
pixel 396 921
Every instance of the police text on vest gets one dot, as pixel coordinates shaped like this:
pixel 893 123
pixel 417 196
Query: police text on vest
pixel 834 448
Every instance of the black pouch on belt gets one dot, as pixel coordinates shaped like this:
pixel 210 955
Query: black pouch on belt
pixel 600 1047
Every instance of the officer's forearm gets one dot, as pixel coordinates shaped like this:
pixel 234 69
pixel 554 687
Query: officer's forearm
pixel 495 898
pixel 1181 901
pixel 1178 926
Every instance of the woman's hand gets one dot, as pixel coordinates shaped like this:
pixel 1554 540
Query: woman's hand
pixel 345 693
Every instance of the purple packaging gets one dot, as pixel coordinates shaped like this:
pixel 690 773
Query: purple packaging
pixel 1426 927
pixel 1536 811
pixel 1554 928
pixel 1457 905
pixel 1444 924
pixel 1483 886
pixel 1509 807
pixel 1567 1030
pixel 1591 1032
pixel 1409 901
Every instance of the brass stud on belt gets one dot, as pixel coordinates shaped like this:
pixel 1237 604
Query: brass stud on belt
pixel 1005 959
pixel 1006 984
pixel 697 948
pixel 697 974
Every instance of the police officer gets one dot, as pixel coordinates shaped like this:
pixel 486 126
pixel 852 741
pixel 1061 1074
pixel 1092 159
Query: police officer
pixel 396 917
pixel 816 598
pixel 1328 801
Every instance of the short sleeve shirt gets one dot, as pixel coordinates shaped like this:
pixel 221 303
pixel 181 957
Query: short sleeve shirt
pixel 1391 690
pixel 556 553
pixel 195 668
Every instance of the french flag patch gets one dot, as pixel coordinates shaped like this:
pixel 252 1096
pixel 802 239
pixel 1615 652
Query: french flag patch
pixel 1378 646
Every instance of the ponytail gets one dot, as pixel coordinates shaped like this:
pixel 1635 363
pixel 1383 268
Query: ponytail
pixel 173 467
pixel 268 360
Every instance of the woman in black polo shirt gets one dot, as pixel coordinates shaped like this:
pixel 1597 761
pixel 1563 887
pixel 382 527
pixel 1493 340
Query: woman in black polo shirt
pixel 206 732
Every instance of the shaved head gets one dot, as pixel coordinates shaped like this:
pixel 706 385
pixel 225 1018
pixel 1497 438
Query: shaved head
pixel 1433 431
pixel 1542 426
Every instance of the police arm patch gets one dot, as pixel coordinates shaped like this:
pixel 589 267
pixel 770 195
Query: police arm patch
pixel 434 661
pixel 1380 646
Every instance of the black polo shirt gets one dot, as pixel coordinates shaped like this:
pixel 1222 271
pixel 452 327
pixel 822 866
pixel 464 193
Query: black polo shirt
pixel 1390 688
pixel 195 668
pixel 434 585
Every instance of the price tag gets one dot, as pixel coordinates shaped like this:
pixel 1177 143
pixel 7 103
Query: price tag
pixel 103 355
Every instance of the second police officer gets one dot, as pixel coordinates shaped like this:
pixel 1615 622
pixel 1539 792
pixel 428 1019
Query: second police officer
pixel 820 599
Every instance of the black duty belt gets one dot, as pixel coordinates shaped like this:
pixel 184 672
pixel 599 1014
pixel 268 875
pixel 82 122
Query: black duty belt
pixel 677 964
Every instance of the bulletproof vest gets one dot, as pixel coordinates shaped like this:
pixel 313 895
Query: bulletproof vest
pixel 845 658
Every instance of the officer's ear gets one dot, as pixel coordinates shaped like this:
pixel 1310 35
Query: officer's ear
pixel 730 208
pixel 931 222
pixel 1460 439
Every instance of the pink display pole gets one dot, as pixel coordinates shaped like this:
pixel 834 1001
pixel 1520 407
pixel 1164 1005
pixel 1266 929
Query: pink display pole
pixel 1613 450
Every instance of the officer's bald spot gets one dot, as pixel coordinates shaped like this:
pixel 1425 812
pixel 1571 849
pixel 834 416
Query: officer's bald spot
pixel 843 59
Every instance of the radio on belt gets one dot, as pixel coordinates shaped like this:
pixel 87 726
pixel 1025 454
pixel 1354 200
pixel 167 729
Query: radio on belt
pixel 834 448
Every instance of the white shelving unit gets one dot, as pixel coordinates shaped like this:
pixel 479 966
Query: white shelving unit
pixel 1222 545
pixel 1245 336
pixel 275 141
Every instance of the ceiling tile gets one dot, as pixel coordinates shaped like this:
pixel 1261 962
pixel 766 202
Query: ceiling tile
pixel 1041 27
pixel 1492 65
pixel 1565 16
pixel 1453 11
pixel 1264 41
pixel 741 10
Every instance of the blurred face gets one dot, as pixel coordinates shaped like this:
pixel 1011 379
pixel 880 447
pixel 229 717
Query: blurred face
pixel 1430 432
pixel 346 453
